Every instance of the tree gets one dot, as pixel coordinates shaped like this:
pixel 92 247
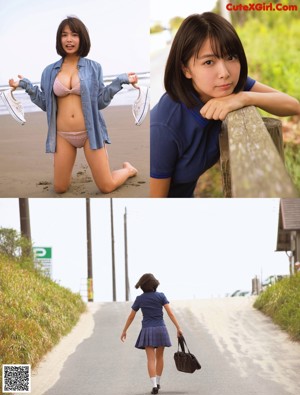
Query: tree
pixel 15 246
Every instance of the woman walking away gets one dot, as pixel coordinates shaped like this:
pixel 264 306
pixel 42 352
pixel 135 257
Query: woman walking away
pixel 72 93
pixel 153 337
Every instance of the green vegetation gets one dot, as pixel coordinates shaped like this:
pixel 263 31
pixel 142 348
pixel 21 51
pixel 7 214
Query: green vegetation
pixel 281 302
pixel 272 47
pixel 175 23
pixel 156 29
pixel 273 52
pixel 210 184
pixel 35 311
pixel 292 162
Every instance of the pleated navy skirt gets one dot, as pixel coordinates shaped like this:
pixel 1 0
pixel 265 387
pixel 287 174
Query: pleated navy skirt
pixel 154 336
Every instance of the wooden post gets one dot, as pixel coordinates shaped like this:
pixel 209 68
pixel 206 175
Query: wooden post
pixel 251 165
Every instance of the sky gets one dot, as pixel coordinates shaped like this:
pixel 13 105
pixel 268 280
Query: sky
pixel 197 248
pixel 163 10
pixel 119 32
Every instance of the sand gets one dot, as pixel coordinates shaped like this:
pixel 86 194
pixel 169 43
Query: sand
pixel 27 171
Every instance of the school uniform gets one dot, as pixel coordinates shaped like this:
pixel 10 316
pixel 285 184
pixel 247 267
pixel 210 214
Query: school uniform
pixel 154 332
pixel 183 144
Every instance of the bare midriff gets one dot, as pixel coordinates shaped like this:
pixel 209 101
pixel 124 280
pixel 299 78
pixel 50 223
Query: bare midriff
pixel 69 114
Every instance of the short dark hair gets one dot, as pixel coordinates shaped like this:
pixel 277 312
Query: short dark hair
pixel 148 283
pixel 194 30
pixel 76 26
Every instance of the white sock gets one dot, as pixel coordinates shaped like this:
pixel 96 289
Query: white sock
pixel 157 380
pixel 153 381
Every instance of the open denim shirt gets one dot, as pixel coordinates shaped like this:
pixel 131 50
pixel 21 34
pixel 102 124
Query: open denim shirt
pixel 94 97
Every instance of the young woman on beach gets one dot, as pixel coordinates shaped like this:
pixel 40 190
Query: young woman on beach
pixel 153 337
pixel 72 93
pixel 206 77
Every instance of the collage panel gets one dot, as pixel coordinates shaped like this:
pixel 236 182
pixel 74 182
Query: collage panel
pixel 75 99
pixel 104 289
pixel 114 295
pixel 224 99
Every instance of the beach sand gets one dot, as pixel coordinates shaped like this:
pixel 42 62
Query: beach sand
pixel 27 171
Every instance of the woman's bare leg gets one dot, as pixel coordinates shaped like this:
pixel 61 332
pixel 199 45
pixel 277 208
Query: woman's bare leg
pixel 64 159
pixel 150 351
pixel 105 179
pixel 159 361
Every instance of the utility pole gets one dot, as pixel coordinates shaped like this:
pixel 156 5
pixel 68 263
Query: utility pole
pixel 25 223
pixel 24 218
pixel 113 251
pixel 89 252
pixel 126 258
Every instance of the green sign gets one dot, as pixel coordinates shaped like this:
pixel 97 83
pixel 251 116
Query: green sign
pixel 43 258
pixel 42 252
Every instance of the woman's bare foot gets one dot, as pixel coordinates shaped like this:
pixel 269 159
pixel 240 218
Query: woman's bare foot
pixel 132 170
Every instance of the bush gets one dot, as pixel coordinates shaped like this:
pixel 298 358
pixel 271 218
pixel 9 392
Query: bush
pixel 16 247
pixel 281 302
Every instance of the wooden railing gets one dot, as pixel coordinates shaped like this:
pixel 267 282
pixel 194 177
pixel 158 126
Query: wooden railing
pixel 252 157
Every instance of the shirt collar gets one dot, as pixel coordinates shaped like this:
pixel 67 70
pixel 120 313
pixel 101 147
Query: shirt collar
pixel 195 112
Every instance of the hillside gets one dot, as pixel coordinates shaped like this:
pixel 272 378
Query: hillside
pixel 35 313
pixel 281 302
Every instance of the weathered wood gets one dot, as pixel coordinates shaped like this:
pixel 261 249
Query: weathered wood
pixel 251 164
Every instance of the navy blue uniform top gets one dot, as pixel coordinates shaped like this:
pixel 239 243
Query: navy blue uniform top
pixel 183 144
pixel 151 304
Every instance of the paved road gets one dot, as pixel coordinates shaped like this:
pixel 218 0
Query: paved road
pixel 241 352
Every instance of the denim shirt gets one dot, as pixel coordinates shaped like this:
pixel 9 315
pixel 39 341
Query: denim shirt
pixel 94 97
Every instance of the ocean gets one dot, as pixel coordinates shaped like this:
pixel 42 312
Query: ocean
pixel 125 97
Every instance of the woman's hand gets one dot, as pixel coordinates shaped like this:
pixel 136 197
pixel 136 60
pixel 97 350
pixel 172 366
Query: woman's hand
pixel 218 108
pixel 179 332
pixel 14 84
pixel 123 336
pixel 133 78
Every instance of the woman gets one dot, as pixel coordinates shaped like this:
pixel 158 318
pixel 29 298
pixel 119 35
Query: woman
pixel 72 93
pixel 206 77
pixel 153 337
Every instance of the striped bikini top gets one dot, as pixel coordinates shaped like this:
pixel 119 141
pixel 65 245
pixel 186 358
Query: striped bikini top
pixel 60 90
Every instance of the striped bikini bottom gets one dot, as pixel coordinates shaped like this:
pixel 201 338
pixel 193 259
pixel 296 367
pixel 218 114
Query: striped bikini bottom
pixel 77 139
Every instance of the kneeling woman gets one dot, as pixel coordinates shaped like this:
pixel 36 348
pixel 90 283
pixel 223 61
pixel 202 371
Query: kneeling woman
pixel 72 93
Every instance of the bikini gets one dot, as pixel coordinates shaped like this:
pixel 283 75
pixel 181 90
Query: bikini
pixel 77 139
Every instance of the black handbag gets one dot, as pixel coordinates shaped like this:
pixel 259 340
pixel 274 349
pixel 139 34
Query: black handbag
pixel 185 361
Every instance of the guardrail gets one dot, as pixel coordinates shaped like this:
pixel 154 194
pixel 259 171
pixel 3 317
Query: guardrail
pixel 252 156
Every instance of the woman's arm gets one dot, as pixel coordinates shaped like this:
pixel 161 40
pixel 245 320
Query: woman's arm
pixel 159 187
pixel 173 318
pixel 107 93
pixel 271 100
pixel 262 96
pixel 37 96
pixel 127 325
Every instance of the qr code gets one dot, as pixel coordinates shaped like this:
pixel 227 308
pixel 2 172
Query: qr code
pixel 16 378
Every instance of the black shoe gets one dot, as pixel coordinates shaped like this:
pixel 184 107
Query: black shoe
pixel 158 386
pixel 154 390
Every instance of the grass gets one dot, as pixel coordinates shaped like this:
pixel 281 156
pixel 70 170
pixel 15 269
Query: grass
pixel 292 162
pixel 281 302
pixel 35 313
